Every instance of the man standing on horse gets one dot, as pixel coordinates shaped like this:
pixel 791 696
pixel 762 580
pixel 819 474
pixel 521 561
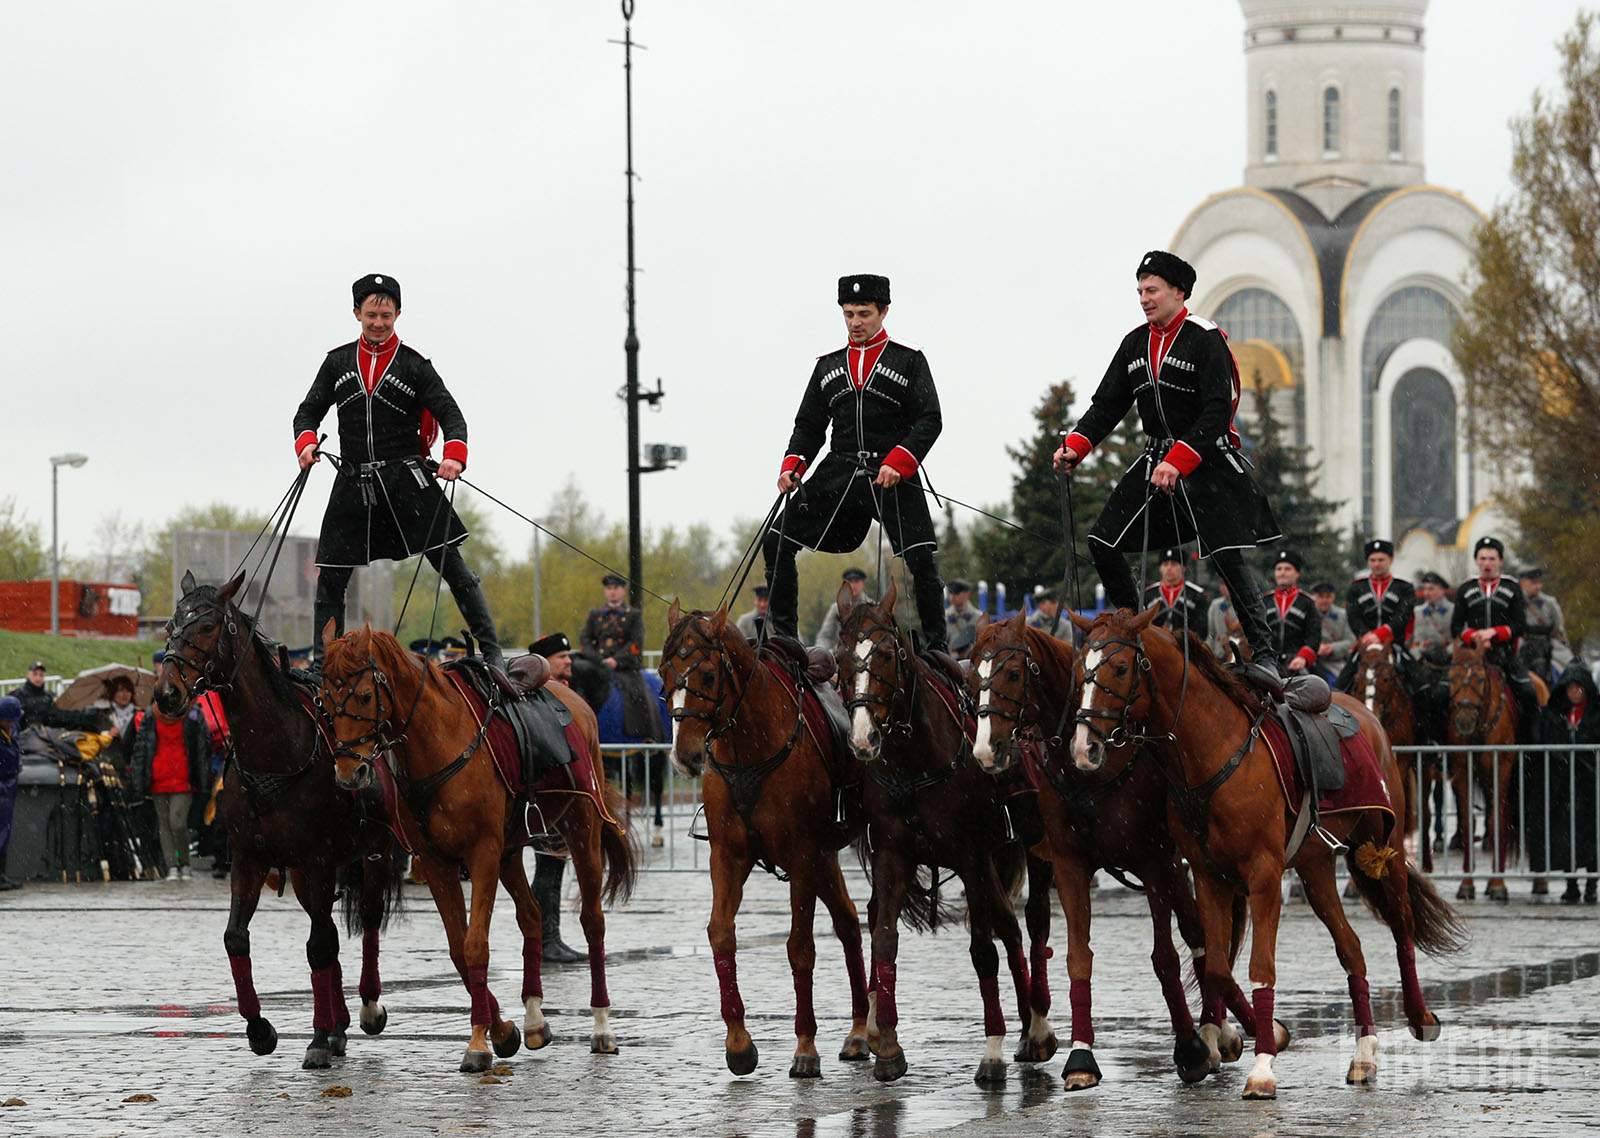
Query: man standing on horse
pixel 1292 616
pixel 1181 601
pixel 877 395
pixel 1491 612
pixel 385 503
pixel 1191 484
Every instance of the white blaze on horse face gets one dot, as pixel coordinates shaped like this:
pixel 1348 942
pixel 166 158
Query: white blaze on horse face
pixel 1372 689
pixel 981 749
pixel 679 698
pixel 860 721
pixel 1080 737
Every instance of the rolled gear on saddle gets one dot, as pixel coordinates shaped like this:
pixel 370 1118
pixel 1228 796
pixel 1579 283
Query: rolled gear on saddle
pixel 1182 378
pixel 880 402
pixel 1497 604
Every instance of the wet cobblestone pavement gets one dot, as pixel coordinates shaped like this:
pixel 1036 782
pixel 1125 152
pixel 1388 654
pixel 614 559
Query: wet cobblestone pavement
pixel 123 990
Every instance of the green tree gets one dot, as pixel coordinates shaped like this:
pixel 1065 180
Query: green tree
pixel 154 574
pixel 1529 345
pixel 23 556
pixel 1288 479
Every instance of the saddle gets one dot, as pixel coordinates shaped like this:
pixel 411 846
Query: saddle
pixel 538 720
pixel 814 670
pixel 949 668
pixel 1304 705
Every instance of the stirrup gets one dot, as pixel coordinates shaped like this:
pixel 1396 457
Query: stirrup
pixel 528 811
pixel 699 816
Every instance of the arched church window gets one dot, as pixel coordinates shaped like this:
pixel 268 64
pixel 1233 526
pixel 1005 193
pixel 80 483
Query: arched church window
pixel 1254 314
pixel 1422 416
pixel 1272 124
pixel 1330 120
pixel 1394 122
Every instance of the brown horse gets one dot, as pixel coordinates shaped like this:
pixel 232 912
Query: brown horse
pixel 926 804
pixel 282 810
pixel 456 812
pixel 1377 684
pixel 1482 713
pixel 1025 685
pixel 770 799
pixel 1232 822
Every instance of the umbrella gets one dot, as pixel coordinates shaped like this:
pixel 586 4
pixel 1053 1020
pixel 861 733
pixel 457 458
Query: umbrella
pixel 93 686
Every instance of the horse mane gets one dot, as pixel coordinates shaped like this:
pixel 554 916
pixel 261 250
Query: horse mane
pixel 1206 663
pixel 286 686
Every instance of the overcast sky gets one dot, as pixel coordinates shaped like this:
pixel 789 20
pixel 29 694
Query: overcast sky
pixel 187 191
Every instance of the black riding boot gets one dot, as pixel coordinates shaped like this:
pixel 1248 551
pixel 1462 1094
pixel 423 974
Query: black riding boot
pixel 1112 567
pixel 783 601
pixel 928 591
pixel 1246 595
pixel 547 873
pixel 332 582
pixel 467 590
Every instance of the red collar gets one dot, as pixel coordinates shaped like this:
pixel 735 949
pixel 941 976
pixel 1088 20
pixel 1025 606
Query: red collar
pixel 863 358
pixel 1488 585
pixel 1285 597
pixel 881 337
pixel 1171 327
pixel 1380 585
pixel 1170 593
pixel 373 362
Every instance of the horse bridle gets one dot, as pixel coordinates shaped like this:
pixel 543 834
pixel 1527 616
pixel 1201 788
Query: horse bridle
pixel 873 631
pixel 209 675
pixel 1022 712
pixel 378 737
pixel 714 698
pixel 1120 734
pixel 1479 706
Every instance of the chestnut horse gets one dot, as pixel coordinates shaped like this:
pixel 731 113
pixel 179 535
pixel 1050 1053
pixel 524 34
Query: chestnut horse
pixel 1025 685
pixel 1482 712
pixel 282 810
pixel 927 804
pixel 456 812
pixel 1377 684
pixel 1228 812
pixel 769 799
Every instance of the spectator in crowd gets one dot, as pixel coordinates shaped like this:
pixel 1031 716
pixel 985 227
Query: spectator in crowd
pixel 613 634
pixel 171 761
pixel 548 870
pixel 120 691
pixel 1544 649
pixel 750 625
pixel 1430 630
pixel 1222 626
pixel 213 835
pixel 1181 601
pixel 1564 779
pixel 39 706
pixel 10 768
pixel 828 635
pixel 1048 618
pixel 962 620
pixel 1337 639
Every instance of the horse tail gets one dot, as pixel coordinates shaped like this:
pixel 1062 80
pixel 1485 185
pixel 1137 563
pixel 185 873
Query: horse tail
pixel 353 876
pixel 620 849
pixel 1436 927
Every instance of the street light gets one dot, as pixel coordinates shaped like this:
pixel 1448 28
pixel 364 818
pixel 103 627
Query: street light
pixel 56 463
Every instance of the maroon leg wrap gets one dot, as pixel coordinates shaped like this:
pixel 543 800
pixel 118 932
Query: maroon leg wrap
pixel 858 982
pixel 483 1011
pixel 322 999
pixel 341 1009
pixel 1266 1038
pixel 1082 1021
pixel 1410 986
pixel 598 996
pixel 532 983
pixel 994 1020
pixel 1241 1009
pixel 883 984
pixel 805 1018
pixel 371 986
pixel 1361 1001
pixel 1040 976
pixel 244 987
pixel 728 984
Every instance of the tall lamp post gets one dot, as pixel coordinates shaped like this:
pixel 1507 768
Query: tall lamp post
pixel 56 463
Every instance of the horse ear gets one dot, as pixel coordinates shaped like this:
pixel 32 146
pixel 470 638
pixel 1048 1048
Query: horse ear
pixel 1081 623
pixel 674 613
pixel 188 582
pixel 886 606
pixel 329 635
pixel 719 620
pixel 842 600
pixel 1020 621
pixel 227 592
pixel 1142 621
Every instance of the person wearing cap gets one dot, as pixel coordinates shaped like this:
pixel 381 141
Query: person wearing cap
pixel 1490 612
pixel 855 580
pixel 548 869
pixel 875 402
pixel 1380 607
pixel 386 503
pixel 1192 484
pixel 1430 637
pixel 752 622
pixel 1337 639
pixel 1292 615
pixel 10 770
pixel 1545 649
pixel 1048 618
pixel 1181 602
pixel 39 706
pixel 962 620
pixel 613 636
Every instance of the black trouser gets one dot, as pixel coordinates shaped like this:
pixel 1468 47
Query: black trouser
pixel 334 580
pixel 784 599
pixel 1244 592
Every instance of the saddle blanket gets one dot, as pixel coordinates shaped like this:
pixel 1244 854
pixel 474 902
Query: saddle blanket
pixel 1364 785
pixel 830 731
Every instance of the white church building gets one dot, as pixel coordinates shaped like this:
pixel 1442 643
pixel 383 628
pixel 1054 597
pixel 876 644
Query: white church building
pixel 1339 273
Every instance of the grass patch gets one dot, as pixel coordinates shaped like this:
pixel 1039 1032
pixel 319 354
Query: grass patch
pixel 69 655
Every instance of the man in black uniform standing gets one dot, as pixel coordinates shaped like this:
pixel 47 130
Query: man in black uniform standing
pixel 1292 615
pixel 1490 610
pixel 1177 369
pixel 877 395
pixel 385 503
pixel 1182 603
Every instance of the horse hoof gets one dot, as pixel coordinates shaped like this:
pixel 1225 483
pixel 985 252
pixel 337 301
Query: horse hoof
pixel 1230 1045
pixel 262 1035
pixel 537 1038
pixel 1037 1050
pixel 888 1068
pixel 1428 1030
pixel 743 1062
pixel 374 1018
pixel 806 1067
pixel 508 1044
pixel 598 1045
pixel 1257 1089
pixel 1280 1036
pixel 1466 891
pixel 855 1050
pixel 337 1043
pixel 317 1059
pixel 991 1073
pixel 1081 1071
pixel 1192 1058
pixel 1497 891
pixel 475 1062
pixel 1361 1073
